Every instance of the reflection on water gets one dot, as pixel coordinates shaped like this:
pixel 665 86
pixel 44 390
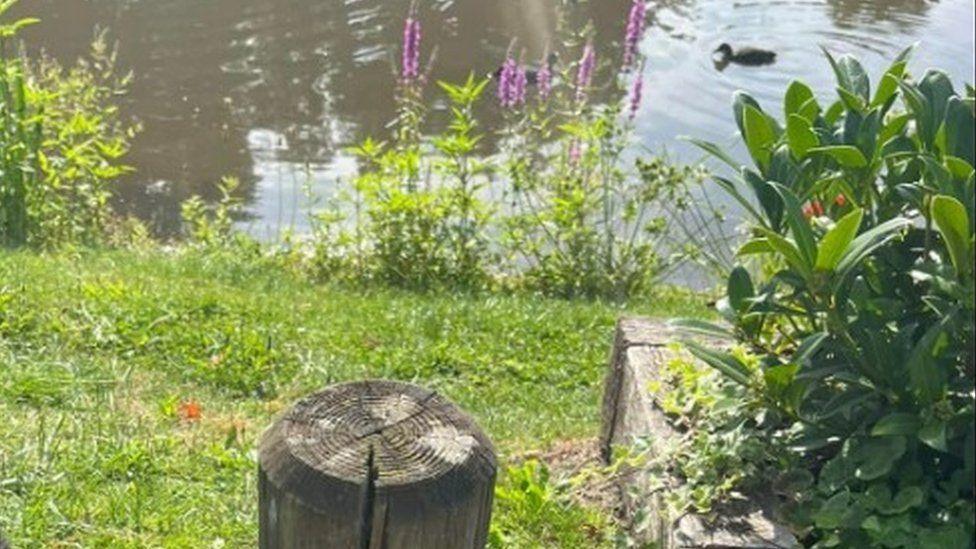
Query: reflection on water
pixel 271 90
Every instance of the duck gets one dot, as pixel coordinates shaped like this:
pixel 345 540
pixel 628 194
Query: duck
pixel 532 74
pixel 745 56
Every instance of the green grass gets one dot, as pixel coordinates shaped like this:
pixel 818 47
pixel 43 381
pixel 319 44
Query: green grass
pixel 98 350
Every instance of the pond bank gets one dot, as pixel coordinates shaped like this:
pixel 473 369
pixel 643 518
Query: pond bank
pixel 145 379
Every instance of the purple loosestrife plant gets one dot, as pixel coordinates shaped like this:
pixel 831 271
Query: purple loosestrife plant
pixel 584 76
pixel 412 34
pixel 635 32
pixel 519 86
pixel 637 92
pixel 544 78
pixel 512 83
pixel 506 82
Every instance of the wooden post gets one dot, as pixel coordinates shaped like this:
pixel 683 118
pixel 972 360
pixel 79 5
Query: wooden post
pixel 375 465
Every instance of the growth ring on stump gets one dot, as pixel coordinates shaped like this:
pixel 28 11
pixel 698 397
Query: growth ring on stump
pixel 375 464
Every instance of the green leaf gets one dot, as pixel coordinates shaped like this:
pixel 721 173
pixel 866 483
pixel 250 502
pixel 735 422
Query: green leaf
pixel 959 168
pixel 801 136
pixel 925 375
pixel 896 424
pixel 834 113
pixel 701 327
pixel 725 363
pixel 732 189
pixel 845 155
pixel 906 498
pixel 837 240
pixel 716 151
pixel 833 511
pixel 755 246
pixel 778 378
pixel 788 250
pixel 741 100
pixel 797 100
pixel 809 347
pixel 960 131
pixel 875 457
pixel 894 127
pixel 740 289
pixel 951 219
pixel 933 434
pixel 866 243
pixel 759 135
pixel 767 196
pixel 851 101
pixel 889 82
pixel 851 75
pixel 799 226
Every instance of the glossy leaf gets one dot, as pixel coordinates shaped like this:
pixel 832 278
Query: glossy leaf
pixel 845 155
pixel 960 131
pixel 850 74
pixel 836 242
pixel 933 434
pixel 701 327
pixel 897 423
pixel 725 363
pixel 716 151
pixel 797 101
pixel 952 221
pixel 759 135
pixel 789 251
pixel 801 135
pixel 732 189
pixel 769 200
pixel 926 377
pixel 866 243
pixel 740 289
pixel 799 226
pixel 755 246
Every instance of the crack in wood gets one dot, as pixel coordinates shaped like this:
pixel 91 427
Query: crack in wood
pixel 369 499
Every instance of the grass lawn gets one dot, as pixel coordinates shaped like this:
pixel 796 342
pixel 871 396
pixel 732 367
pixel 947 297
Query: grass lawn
pixel 99 350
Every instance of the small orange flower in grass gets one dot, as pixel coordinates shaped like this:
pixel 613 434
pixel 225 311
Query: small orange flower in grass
pixel 190 410
pixel 841 200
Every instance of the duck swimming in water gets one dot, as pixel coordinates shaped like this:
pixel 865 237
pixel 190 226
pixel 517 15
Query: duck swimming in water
pixel 531 75
pixel 744 56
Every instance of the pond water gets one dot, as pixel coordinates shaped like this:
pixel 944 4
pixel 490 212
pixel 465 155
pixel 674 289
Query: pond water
pixel 272 90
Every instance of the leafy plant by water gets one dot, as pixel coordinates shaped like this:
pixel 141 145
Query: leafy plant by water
pixel 557 210
pixel 61 144
pixel 859 305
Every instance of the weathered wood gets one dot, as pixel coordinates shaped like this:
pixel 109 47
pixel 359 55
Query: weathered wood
pixel 631 413
pixel 378 465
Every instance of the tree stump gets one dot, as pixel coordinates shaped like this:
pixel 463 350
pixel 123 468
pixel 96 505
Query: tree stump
pixel 375 464
pixel 631 414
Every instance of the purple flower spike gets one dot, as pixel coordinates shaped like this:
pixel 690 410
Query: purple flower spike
pixel 637 92
pixel 507 82
pixel 575 153
pixel 584 77
pixel 544 78
pixel 411 48
pixel 635 32
pixel 519 86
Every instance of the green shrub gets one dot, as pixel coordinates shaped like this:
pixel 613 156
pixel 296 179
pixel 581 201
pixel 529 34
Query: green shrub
pixel 861 314
pixel 61 144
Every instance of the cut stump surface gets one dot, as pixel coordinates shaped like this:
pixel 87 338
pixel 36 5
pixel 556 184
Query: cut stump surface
pixel 375 464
